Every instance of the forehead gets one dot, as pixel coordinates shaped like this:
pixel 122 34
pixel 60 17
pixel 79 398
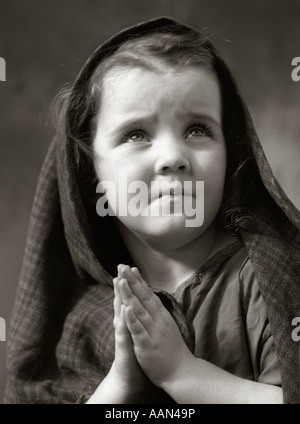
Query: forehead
pixel 134 91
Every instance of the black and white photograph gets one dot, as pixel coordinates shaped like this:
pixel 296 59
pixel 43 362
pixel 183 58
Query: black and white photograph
pixel 150 204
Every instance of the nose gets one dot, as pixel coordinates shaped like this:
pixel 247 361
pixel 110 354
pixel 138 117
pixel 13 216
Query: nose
pixel 172 156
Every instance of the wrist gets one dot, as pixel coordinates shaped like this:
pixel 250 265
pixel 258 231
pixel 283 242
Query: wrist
pixel 116 379
pixel 113 390
pixel 182 372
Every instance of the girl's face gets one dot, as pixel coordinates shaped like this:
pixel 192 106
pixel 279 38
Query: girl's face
pixel 161 126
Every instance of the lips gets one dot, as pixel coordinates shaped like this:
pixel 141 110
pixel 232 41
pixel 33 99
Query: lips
pixel 171 191
pixel 169 188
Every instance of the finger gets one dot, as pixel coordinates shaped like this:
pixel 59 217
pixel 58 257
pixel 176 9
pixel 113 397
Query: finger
pixel 117 301
pixel 136 273
pixel 119 267
pixel 132 275
pixel 129 299
pixel 134 278
pixel 122 327
pixel 142 291
pixel 126 272
pixel 117 296
pixel 138 332
pixel 122 335
pixel 121 324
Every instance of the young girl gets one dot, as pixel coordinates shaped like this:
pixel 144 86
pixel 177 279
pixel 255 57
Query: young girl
pixel 195 314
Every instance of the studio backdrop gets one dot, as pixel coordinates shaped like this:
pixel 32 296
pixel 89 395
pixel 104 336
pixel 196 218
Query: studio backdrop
pixel 43 44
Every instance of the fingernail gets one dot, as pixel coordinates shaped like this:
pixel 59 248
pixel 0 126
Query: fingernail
pixel 126 271
pixel 136 273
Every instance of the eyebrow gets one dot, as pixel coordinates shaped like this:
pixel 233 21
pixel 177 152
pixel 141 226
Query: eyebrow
pixel 146 119
pixel 206 117
pixel 129 123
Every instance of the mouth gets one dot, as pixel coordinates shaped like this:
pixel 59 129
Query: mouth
pixel 170 193
pixel 175 190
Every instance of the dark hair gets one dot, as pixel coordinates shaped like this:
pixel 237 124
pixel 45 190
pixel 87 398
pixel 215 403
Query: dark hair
pixel 183 48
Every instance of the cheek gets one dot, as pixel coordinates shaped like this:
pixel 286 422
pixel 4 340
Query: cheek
pixel 119 175
pixel 123 171
pixel 220 169
pixel 214 180
pixel 211 166
pixel 107 166
pixel 220 162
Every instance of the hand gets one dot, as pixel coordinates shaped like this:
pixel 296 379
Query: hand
pixel 158 344
pixel 128 373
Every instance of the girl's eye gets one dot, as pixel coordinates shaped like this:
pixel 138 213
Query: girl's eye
pixel 199 131
pixel 196 132
pixel 135 136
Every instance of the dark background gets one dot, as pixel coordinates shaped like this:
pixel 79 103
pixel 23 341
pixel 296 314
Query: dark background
pixel 45 43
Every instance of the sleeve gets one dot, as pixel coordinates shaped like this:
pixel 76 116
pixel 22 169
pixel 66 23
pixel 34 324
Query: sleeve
pixel 269 370
pixel 261 344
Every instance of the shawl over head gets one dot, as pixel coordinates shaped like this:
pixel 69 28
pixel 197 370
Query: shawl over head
pixel 61 340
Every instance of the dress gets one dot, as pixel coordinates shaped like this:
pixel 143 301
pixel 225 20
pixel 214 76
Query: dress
pixel 227 317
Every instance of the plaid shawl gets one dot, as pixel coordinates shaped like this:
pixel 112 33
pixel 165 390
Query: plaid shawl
pixel 61 338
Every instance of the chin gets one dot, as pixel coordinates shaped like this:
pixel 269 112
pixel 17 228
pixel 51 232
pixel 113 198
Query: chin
pixel 169 232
